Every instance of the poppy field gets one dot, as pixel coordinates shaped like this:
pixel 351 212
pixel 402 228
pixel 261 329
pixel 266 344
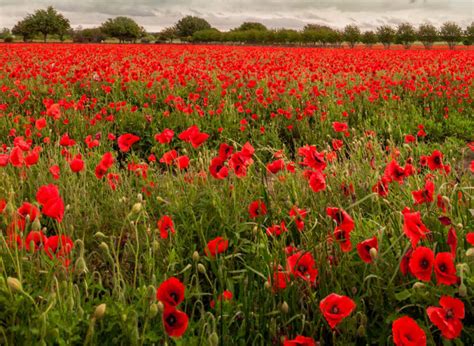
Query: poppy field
pixel 218 195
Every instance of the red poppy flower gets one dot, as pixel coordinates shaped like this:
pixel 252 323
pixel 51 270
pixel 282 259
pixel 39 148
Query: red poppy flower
pixel 343 238
pixel 54 170
pixel 394 172
pixel 279 280
pixel 340 127
pixel 298 215
pixel 421 263
pixel 445 269
pixel 37 238
pixel 424 195
pixel 300 341
pixel 28 209
pixel 409 139
pixel 452 241
pixel 126 141
pixel 165 225
pixel 54 111
pixel 312 158
pixel 218 169
pixel 169 157
pixel 182 162
pixel 105 163
pixel 60 246
pixel 447 317
pixel 381 188
pixel 175 321
pixel 3 205
pixel 302 265
pixel 276 230
pixel 335 308
pixel 77 164
pixel 343 220
pixel 435 161
pixel 225 151
pixel 170 292
pixel 470 238
pixel 257 208
pixel 193 136
pixel 363 248
pixel 225 296
pixel 406 332
pixel 51 202
pixel 317 180
pixel 216 246
pixel 276 166
pixel 413 227
pixel 165 137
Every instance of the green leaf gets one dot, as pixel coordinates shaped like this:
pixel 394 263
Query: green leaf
pixel 403 295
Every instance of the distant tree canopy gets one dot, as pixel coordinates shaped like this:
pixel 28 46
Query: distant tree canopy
pixel 46 22
pixel 123 28
pixel 451 33
pixel 188 25
pixel 386 35
pixel 89 35
pixel 251 26
pixel 168 34
pixel 427 34
pixel 352 35
pixel 469 35
pixel 369 38
pixel 406 35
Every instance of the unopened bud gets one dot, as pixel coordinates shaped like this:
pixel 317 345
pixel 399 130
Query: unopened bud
pixel 156 245
pixel 140 197
pixel 284 307
pixel 137 207
pixel 213 339
pixel 195 256
pixel 160 306
pixel 36 225
pixel 14 284
pixel 99 235
pixel 462 290
pixel 418 285
pixel 100 311
pixel 267 285
pixel 201 268
pixel 104 247
pixel 373 253
pixel 361 331
pixel 81 266
pixel 459 226
pixel 153 310
pixel 470 252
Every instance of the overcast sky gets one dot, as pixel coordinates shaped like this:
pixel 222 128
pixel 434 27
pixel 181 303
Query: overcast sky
pixel 225 14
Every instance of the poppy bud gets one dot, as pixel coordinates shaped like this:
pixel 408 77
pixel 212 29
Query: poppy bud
pixel 104 247
pixel 14 284
pixel 213 339
pixel 137 207
pixel 470 252
pixel 36 226
pixel 153 310
pixel 418 285
pixel 81 266
pixel 463 267
pixel 100 311
pixel 27 218
pixel 361 331
pixel 267 285
pixel 284 307
pixel 255 230
pixel 160 306
pixel 140 197
pixel 373 253
pixel 195 256
pixel 100 235
pixel 459 226
pixel 201 268
pixel 156 245
pixel 68 206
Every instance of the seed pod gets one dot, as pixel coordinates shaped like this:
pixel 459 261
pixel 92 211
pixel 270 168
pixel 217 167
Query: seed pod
pixel 418 285
pixel 284 308
pixel 100 311
pixel 462 290
pixel 195 256
pixel 160 306
pixel 373 253
pixel 36 225
pixel 213 339
pixel 201 268
pixel 14 284
pixel 137 207
pixel 153 310
pixel 470 252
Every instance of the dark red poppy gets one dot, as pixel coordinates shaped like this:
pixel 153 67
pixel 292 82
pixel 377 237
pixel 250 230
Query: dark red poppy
pixel 435 161
pixel 216 246
pixel 444 269
pixel 298 215
pixel 52 204
pixel 169 157
pixel 225 296
pixel 335 308
pixel 126 141
pixel 225 151
pixel 257 208
pixel 166 226
pixel 363 248
pixel 35 238
pixel 343 220
pixel 171 292
pixel 413 227
pixel 218 169
pixel 175 321
pixel 3 205
pixel 424 195
pixel 452 241
pixel 276 230
pixel 303 266
pixel 54 170
pixel 404 263
pixel 278 280
pixel 421 263
pixel 28 209
pixel 300 341
pixel 447 317
pixel 406 332
pixel 394 172
pixel 343 238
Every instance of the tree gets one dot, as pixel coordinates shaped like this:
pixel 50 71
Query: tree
pixel 427 34
pixel 25 28
pixel 386 35
pixel 351 35
pixel 207 35
pixel 168 34
pixel 251 26
pixel 89 35
pixel 122 28
pixel 49 21
pixel 469 35
pixel 188 25
pixel 451 33
pixel 317 33
pixel 369 38
pixel 406 35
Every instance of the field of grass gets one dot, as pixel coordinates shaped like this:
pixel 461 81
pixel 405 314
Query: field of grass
pixel 296 195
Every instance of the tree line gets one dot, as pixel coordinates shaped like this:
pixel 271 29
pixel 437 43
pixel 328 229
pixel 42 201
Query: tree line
pixel 44 22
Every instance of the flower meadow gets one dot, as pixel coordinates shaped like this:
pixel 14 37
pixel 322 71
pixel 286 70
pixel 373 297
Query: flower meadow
pixel 218 195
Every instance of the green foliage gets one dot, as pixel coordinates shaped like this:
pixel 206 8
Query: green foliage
pixel 451 33
pixel 188 25
pixel 386 35
pixel 427 34
pixel 208 35
pixel 123 28
pixel 352 35
pixel 406 35
pixel 251 26
pixel 88 35
pixel 369 38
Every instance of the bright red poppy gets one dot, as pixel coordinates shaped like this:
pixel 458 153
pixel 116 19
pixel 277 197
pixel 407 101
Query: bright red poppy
pixel 421 263
pixel 406 332
pixel 447 317
pixel 216 246
pixel 175 321
pixel 52 204
pixel 126 141
pixel 444 269
pixel 166 226
pixel 335 308
pixel 171 292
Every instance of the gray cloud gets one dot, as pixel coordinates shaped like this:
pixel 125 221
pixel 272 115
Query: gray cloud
pixel 157 14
